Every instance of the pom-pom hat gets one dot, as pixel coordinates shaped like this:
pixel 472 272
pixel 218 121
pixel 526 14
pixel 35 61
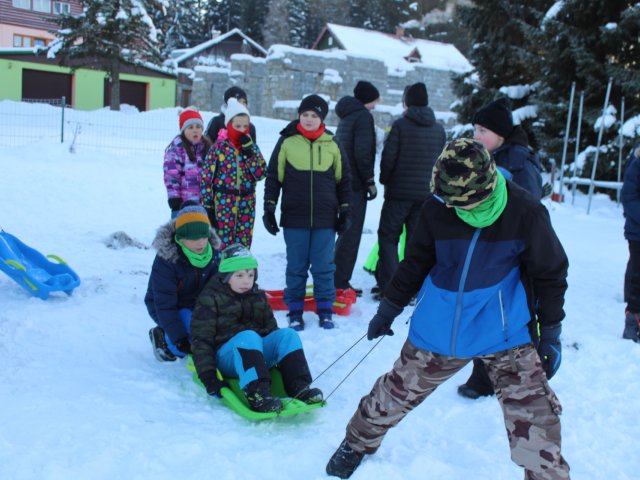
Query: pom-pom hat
pixel 190 116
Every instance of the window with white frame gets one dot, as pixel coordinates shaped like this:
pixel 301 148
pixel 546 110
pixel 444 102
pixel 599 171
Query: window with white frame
pixel 26 4
pixel 61 8
pixel 42 6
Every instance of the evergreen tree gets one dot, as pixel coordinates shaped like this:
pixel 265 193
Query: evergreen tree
pixel 112 34
pixel 223 15
pixel 588 42
pixel 286 23
pixel 276 28
pixel 321 13
pixel 182 26
pixel 253 18
pixel 504 53
pixel 298 11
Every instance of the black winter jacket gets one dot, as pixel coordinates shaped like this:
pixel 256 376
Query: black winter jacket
pixel 217 123
pixel 410 151
pixel 357 135
pixel 518 158
pixel 174 283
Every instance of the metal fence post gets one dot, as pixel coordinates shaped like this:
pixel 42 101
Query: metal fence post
pixel 566 139
pixel 577 152
pixel 64 101
pixel 595 160
pixel 620 151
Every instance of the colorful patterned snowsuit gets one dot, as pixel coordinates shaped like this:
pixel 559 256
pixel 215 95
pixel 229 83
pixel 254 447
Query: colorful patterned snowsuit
pixel 228 190
pixel 182 176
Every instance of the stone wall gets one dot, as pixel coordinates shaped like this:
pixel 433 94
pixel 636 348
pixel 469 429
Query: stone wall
pixel 276 84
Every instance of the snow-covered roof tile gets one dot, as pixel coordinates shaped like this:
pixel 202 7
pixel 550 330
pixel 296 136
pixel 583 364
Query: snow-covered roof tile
pixel 393 50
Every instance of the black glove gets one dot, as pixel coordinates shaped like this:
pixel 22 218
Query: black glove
pixel 246 144
pixel 344 220
pixel 550 349
pixel 215 385
pixel 372 191
pixel 547 190
pixel 174 204
pixel 381 322
pixel 269 218
pixel 184 346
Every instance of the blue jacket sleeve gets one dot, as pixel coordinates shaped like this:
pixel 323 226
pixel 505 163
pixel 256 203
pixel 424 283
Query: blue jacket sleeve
pixel 630 194
pixel 164 285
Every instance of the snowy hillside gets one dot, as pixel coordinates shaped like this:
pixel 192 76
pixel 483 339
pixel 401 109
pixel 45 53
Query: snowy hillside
pixel 82 396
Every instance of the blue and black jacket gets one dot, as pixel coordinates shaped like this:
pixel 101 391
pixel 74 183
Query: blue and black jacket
pixel 630 196
pixel 476 287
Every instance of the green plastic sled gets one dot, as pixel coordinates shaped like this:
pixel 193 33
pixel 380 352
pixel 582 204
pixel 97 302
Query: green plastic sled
pixel 234 398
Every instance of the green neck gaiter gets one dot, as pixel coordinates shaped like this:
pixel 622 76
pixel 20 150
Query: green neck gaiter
pixel 489 210
pixel 198 260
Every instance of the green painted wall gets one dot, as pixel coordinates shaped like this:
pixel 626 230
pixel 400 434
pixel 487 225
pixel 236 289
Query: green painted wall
pixel 88 85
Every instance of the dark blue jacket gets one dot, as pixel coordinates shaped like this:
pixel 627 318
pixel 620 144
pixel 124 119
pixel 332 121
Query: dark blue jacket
pixel 631 196
pixel 476 287
pixel 174 283
pixel 517 157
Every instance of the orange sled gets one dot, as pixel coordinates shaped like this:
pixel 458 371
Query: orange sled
pixel 342 305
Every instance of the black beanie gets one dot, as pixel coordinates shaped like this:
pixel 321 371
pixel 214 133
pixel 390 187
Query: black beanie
pixel 235 92
pixel 315 103
pixel 496 116
pixel 416 95
pixel 366 92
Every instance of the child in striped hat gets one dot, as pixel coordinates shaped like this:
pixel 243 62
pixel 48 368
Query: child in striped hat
pixel 184 263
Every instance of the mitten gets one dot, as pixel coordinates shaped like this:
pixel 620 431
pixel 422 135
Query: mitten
pixel 246 143
pixel 372 191
pixel 550 349
pixel 381 322
pixel 344 220
pixel 269 218
pixel 184 346
pixel 174 204
pixel 215 385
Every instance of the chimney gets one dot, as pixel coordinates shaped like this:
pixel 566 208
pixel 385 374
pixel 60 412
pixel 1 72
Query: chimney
pixel 399 31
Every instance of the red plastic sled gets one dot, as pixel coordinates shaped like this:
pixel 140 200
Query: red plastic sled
pixel 342 305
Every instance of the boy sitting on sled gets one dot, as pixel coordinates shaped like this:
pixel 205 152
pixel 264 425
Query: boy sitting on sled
pixel 234 331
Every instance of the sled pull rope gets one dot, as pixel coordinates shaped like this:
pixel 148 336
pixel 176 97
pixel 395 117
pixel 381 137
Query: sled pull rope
pixel 332 364
pixel 354 368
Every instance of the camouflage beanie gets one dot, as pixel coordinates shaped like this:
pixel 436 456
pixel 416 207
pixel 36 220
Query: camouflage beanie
pixel 464 174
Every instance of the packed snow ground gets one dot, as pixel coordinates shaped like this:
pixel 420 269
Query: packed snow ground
pixel 82 396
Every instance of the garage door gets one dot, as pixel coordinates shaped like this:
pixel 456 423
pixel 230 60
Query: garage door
pixel 45 86
pixel 132 93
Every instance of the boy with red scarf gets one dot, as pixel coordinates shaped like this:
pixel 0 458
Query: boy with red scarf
pixel 312 171
pixel 230 172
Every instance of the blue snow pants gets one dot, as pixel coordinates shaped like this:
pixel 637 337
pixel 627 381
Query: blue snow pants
pixel 274 347
pixel 185 318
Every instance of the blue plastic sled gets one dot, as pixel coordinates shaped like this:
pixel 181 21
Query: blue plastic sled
pixel 32 270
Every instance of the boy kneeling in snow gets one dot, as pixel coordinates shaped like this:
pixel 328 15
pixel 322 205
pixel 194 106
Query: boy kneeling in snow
pixel 234 331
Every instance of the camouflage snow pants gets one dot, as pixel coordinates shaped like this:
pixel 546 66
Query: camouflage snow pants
pixel 529 405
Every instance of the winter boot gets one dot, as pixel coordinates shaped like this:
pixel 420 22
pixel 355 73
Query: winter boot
pixel 325 313
pixel 296 378
pixel 295 316
pixel 160 349
pixel 632 327
pixel 344 461
pixel 259 396
pixel 478 385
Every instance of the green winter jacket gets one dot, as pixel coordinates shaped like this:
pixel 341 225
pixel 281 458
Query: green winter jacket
pixel 314 177
pixel 219 315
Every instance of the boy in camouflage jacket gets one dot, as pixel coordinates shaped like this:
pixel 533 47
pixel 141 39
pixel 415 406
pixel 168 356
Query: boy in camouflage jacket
pixel 234 331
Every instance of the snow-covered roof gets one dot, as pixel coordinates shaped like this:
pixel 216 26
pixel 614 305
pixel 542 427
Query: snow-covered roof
pixel 214 41
pixel 393 50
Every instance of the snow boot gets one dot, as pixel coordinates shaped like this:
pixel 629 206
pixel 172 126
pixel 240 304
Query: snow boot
pixel 632 327
pixel 259 396
pixel 348 286
pixel 344 461
pixel 478 385
pixel 160 349
pixel 296 378
pixel 295 316
pixel 325 313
